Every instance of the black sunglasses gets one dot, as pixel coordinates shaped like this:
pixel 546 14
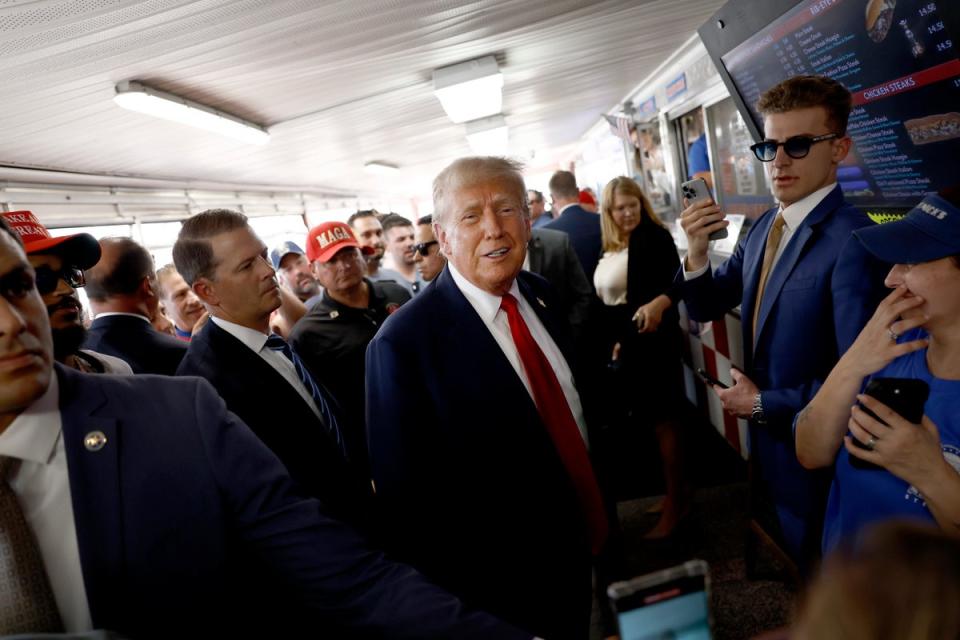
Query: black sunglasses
pixel 421 247
pixel 47 278
pixel 796 147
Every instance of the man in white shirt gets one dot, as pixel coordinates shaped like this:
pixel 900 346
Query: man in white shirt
pixel 477 433
pixel 171 515
pixel 803 288
pixel 256 373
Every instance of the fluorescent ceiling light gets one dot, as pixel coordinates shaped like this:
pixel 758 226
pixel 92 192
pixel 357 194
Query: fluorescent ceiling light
pixel 381 168
pixel 488 136
pixel 138 97
pixel 470 90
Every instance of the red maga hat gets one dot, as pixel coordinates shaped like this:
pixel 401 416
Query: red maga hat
pixel 325 240
pixel 586 197
pixel 80 249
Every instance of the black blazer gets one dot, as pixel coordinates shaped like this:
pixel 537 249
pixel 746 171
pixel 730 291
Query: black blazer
pixel 473 491
pixel 278 415
pixel 135 341
pixel 583 228
pixel 552 256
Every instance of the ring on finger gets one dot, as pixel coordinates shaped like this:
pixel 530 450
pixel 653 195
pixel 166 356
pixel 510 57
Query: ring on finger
pixel 871 443
pixel 894 336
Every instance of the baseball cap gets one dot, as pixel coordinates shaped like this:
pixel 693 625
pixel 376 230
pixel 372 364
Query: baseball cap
pixel 586 198
pixel 929 231
pixel 80 249
pixel 279 252
pixel 325 240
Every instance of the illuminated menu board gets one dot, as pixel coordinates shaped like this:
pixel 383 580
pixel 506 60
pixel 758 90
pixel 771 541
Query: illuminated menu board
pixel 900 62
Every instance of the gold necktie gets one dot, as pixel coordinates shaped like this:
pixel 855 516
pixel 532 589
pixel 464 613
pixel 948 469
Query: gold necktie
pixel 769 253
pixel 26 600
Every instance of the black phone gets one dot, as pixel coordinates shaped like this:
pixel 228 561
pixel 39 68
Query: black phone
pixel 697 190
pixel 709 379
pixel 672 603
pixel 906 396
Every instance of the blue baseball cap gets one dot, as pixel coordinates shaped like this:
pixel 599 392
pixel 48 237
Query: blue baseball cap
pixel 281 250
pixel 929 231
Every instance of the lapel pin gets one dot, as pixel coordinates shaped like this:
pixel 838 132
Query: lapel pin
pixel 334 315
pixel 94 441
pixel 542 303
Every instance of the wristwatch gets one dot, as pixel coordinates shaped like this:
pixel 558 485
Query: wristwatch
pixel 757 414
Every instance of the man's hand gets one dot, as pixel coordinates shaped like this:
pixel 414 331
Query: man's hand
pixel 738 399
pixel 698 221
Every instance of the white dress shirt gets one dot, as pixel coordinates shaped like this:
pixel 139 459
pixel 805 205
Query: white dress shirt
pixel 42 485
pixel 257 342
pixel 107 314
pixel 610 278
pixel 793 216
pixel 487 307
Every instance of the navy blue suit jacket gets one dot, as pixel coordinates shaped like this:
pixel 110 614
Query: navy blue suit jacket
pixel 135 341
pixel 273 409
pixel 583 228
pixel 821 292
pixel 185 520
pixel 470 483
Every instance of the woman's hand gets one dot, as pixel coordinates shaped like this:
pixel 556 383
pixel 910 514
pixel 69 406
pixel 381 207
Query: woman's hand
pixel 877 346
pixel 648 316
pixel 909 451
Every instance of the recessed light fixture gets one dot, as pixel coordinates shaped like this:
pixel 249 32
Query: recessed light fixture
pixel 381 168
pixel 488 136
pixel 161 104
pixel 470 90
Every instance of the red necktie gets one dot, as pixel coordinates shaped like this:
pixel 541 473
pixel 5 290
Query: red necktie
pixel 557 417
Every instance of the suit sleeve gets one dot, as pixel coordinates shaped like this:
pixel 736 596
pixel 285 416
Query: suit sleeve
pixel 325 565
pixel 711 295
pixel 581 293
pixel 856 290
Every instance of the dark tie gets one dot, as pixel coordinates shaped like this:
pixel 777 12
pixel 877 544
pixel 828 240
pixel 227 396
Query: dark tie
pixel 26 600
pixel 276 343
pixel 769 253
pixel 556 415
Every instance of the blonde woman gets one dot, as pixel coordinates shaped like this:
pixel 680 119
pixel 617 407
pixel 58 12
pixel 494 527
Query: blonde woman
pixel 634 280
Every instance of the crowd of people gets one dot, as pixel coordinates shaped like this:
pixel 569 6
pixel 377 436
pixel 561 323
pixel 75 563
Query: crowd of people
pixel 406 453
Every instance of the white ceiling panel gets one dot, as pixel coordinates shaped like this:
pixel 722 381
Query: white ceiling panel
pixel 337 83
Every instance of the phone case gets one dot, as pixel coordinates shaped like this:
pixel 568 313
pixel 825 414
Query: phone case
pixel 695 191
pixel 906 396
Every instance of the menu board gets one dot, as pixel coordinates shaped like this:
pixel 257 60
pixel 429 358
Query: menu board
pixel 901 63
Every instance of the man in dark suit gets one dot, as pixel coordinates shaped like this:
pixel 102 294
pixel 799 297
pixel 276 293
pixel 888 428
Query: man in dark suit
pixel 582 226
pixel 141 505
pixel 122 288
pixel 551 255
pixel 804 289
pixel 477 431
pixel 225 263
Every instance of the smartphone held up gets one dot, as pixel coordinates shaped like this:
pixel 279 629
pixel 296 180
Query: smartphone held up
pixel 697 191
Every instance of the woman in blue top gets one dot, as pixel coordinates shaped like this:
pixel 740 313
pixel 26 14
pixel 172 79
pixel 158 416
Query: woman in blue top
pixel 915 333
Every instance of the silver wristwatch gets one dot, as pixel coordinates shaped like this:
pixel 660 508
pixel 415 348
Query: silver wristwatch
pixel 757 414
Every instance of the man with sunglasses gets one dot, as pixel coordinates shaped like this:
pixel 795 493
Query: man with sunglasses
pixel 803 288
pixel 426 251
pixel 59 264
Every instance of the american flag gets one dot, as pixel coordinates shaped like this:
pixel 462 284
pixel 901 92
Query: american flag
pixel 620 126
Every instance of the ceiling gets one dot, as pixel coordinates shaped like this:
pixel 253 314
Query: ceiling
pixel 338 83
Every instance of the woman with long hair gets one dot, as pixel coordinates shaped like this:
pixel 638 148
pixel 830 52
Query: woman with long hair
pixel 634 279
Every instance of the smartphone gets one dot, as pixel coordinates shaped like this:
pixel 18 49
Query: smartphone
pixel 906 396
pixel 695 191
pixel 673 603
pixel 709 379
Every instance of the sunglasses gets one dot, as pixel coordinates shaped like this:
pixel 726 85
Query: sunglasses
pixel 796 147
pixel 422 247
pixel 47 279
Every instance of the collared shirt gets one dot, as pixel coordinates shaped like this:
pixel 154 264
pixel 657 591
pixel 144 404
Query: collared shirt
pixel 180 334
pixel 257 342
pixel 42 485
pixel 793 217
pixel 565 207
pixel 107 314
pixel 487 307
